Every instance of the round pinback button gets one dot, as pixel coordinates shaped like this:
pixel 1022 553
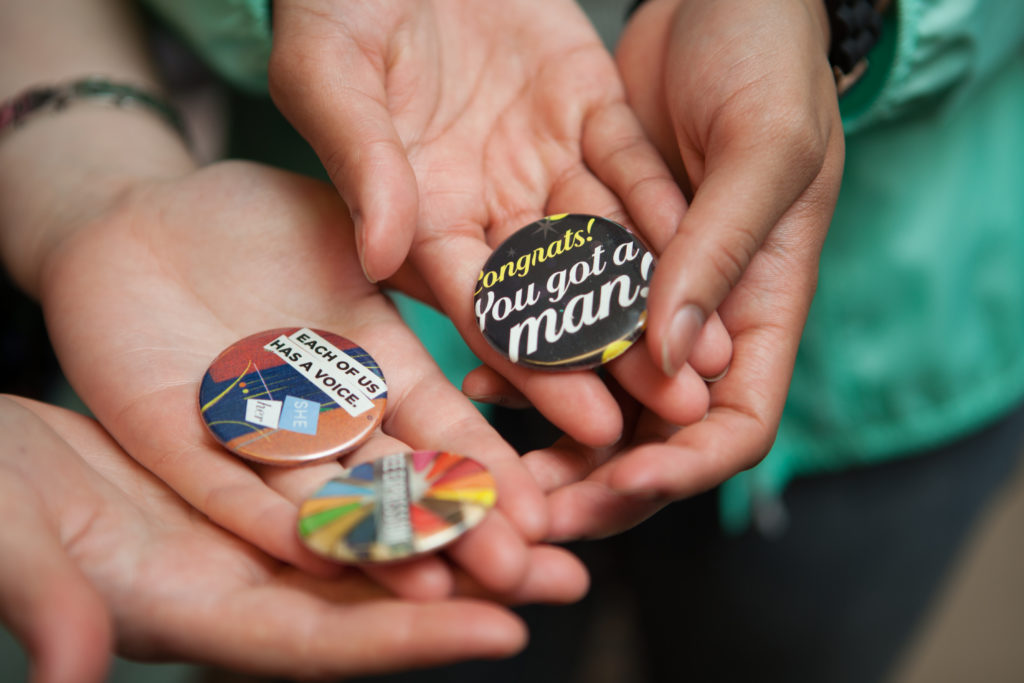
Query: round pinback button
pixel 564 293
pixel 398 507
pixel 292 395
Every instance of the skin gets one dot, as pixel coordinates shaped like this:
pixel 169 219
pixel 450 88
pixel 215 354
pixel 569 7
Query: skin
pixel 119 561
pixel 136 354
pixel 739 98
pixel 146 267
pixel 483 118
pixel 752 260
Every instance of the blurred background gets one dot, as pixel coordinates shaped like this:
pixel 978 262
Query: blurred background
pixel 966 626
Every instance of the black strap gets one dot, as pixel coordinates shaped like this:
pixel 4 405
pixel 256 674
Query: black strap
pixel 856 26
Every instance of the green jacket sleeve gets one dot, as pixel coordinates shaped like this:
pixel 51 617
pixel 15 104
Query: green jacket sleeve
pixel 932 52
pixel 232 36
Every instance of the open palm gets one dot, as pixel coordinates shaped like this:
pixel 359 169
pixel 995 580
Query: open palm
pixel 142 298
pixel 446 125
pixel 740 99
pixel 115 558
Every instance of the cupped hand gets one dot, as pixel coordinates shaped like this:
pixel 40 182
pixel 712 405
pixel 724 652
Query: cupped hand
pixel 100 555
pixel 140 299
pixel 740 100
pixel 597 492
pixel 447 125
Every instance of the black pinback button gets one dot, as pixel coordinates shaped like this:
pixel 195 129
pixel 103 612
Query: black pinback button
pixel 564 293
pixel 292 395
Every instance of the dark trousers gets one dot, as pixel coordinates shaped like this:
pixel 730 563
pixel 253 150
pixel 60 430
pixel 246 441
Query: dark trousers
pixel 834 598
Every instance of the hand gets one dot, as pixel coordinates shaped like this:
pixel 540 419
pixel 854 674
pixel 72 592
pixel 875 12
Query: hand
pixel 101 553
pixel 142 297
pixel 740 100
pixel 481 117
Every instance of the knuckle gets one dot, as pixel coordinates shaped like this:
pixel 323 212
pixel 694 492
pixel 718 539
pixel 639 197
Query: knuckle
pixel 803 138
pixel 727 266
pixel 730 260
pixel 336 163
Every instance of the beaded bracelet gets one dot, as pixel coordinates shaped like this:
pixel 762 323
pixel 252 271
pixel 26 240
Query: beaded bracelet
pixel 14 111
pixel 856 26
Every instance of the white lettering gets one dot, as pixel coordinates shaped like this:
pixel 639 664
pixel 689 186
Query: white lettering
pixel 626 251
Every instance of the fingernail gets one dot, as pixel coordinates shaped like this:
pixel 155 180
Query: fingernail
pixel 362 265
pixel 360 251
pixel 493 399
pixel 505 401
pixel 682 334
pixel 719 376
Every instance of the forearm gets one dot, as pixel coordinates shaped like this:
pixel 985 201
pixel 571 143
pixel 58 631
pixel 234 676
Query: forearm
pixel 59 169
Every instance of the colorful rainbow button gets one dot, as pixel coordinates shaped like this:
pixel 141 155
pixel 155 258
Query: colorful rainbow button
pixel 397 507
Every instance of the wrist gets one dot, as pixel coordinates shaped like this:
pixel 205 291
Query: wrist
pixel 62 169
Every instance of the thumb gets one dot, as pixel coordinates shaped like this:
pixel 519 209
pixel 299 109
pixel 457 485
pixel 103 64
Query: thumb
pixel 46 601
pixel 746 190
pixel 335 96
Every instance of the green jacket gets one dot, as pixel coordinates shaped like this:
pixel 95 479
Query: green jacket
pixel 916 334
pixel 917 329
